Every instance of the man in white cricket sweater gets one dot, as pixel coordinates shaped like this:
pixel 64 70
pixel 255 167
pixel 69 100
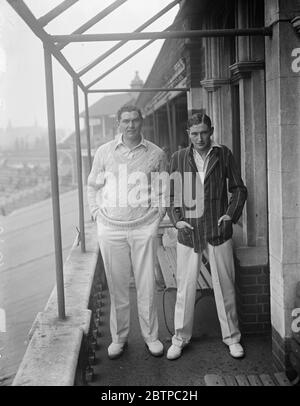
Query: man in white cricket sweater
pixel 128 205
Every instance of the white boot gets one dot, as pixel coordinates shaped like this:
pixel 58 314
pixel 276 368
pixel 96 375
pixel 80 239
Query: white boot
pixel 174 352
pixel 155 348
pixel 115 350
pixel 236 350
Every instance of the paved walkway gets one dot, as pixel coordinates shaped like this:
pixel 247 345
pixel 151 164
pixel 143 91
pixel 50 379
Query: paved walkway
pixel 205 354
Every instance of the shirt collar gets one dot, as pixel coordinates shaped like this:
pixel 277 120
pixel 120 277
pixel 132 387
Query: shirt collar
pixel 213 144
pixel 119 141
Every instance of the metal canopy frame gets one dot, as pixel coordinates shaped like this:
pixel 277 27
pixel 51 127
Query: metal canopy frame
pixel 97 18
pixel 123 42
pixel 53 44
pixel 142 90
pixel 56 12
pixel 162 35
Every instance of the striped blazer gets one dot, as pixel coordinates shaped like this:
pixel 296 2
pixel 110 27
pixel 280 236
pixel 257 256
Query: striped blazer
pixel 221 166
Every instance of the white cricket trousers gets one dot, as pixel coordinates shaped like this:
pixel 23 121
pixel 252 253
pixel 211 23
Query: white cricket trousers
pixel 124 252
pixel 222 271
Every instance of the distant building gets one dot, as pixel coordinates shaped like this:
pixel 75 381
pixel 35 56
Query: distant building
pixel 21 138
pixel 136 83
pixel 26 138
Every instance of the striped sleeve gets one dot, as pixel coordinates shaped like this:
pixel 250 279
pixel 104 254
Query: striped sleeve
pixel 175 212
pixel 162 188
pixel 237 189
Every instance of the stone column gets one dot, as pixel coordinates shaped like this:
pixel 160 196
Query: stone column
pixel 283 129
pixel 216 87
pixel 250 76
pixel 194 100
pixel 193 54
pixel 248 72
pixel 215 105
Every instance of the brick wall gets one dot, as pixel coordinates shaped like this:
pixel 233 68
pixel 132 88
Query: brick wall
pixel 253 298
pixel 286 356
pixel 279 350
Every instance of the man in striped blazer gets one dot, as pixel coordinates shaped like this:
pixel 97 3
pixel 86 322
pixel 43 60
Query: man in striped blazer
pixel 202 174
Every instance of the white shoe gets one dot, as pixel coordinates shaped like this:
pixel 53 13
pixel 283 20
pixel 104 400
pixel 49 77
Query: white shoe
pixel 236 350
pixel 115 350
pixel 174 352
pixel 155 348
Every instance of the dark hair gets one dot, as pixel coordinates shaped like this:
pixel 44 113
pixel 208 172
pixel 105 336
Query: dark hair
pixel 127 109
pixel 199 118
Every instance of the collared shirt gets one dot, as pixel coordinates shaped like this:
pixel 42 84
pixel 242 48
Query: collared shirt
pixel 115 167
pixel 125 150
pixel 203 163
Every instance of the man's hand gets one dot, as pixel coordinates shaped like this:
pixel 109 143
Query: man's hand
pixel 183 224
pixel 223 218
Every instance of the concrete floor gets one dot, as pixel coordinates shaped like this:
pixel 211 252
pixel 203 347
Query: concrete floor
pixel 205 354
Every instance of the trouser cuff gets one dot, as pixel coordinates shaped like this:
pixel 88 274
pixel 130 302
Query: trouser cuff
pixel 179 341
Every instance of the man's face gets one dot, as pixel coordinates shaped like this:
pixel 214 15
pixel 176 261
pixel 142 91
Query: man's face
pixel 130 124
pixel 200 135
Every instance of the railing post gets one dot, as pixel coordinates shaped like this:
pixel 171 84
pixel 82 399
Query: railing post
pixel 54 184
pixel 174 126
pixel 87 129
pixel 155 129
pixel 169 126
pixel 79 167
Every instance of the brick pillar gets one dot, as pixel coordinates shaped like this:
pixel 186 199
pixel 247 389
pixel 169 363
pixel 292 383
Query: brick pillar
pixel 283 141
pixel 253 290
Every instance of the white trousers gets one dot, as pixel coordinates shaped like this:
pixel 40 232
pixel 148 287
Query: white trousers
pixel 222 271
pixel 125 252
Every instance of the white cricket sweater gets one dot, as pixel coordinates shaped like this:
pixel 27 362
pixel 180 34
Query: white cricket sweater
pixel 119 189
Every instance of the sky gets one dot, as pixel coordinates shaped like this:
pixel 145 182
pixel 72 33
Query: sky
pixel 22 78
